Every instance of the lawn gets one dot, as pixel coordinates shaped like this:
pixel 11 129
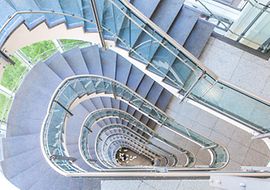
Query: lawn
pixel 12 74
pixel 68 44
pixel 5 103
pixel 39 51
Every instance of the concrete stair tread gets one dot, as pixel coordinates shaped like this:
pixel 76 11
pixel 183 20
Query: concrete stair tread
pixel 25 142
pixel 88 14
pixel 30 104
pixel 75 122
pixel 76 61
pixel 13 165
pixel 198 39
pixel 27 178
pixel 135 77
pixel 12 25
pixel 92 59
pixel 72 7
pixel 170 8
pixel 31 21
pixel 59 65
pixel 184 24
pixel 51 19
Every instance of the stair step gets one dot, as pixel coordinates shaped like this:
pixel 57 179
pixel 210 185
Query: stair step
pixel 170 8
pixel 154 93
pixel 164 100
pixel 31 20
pixel 137 115
pixel 75 122
pixel 108 63
pixel 27 178
pixel 51 19
pixel 123 70
pixel 130 110
pixel 25 142
pixel 59 65
pixel 92 59
pixel 97 101
pixel 88 14
pixel 146 10
pixel 145 86
pixel 31 101
pixel 12 25
pixel 135 77
pixel 13 165
pixel 184 24
pixel 136 34
pixel 81 163
pixel 199 37
pixel 74 8
pixel 151 124
pixel 58 185
pixel 107 104
pixel 76 61
pixel 73 147
pixel 144 119
pixel 47 180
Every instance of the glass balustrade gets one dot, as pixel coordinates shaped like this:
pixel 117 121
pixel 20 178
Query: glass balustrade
pixel 53 127
pixel 138 137
pixel 162 56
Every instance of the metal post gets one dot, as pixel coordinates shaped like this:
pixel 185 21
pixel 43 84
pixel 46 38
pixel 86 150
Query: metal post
pixel 88 129
pixel 64 108
pixel 60 157
pixel 209 147
pixel 261 136
pixel 253 21
pixel 6 58
pixel 21 56
pixel 192 86
pixel 58 45
pixel 4 90
pixel 99 26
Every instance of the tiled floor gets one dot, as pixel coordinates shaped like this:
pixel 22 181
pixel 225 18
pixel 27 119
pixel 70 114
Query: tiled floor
pixel 243 151
pixel 241 69
pixel 155 185
pixel 238 67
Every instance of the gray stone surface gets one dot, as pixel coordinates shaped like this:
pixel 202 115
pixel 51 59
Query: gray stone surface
pixel 183 24
pixel 198 38
pixel 75 60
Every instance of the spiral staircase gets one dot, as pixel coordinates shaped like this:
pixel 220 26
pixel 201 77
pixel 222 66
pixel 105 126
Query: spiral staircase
pixel 76 110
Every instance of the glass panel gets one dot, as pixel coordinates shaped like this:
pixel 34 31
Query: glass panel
pixel 233 103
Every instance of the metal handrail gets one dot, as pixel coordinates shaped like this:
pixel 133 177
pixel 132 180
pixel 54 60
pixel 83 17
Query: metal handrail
pixel 126 128
pixel 75 78
pixel 158 30
pixel 190 157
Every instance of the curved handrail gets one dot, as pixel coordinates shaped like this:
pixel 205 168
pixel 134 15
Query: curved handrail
pixel 105 113
pixel 53 127
pixel 172 46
